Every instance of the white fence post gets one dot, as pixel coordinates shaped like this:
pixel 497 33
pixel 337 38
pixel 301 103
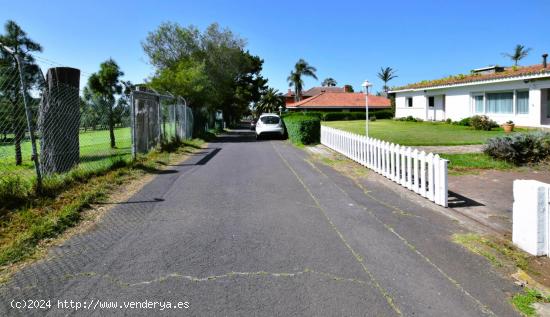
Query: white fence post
pixel 430 182
pixel 422 178
pixel 531 217
pixel 416 188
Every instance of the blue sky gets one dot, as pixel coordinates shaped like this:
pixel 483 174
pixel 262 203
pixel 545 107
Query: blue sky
pixel 347 40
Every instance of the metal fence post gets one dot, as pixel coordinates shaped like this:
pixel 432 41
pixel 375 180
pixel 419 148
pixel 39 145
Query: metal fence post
pixel 133 125
pixel 29 123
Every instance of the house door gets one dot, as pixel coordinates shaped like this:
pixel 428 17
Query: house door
pixel 545 106
pixel 436 108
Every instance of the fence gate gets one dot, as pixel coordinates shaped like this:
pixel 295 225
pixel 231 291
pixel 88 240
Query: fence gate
pixel 158 118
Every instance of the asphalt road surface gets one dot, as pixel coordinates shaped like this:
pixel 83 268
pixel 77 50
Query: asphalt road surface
pixel 255 228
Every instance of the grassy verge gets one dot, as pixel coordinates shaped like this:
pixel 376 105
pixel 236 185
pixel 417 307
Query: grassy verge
pixel 473 162
pixel 45 217
pixel 500 253
pixel 525 301
pixel 418 133
pixel 506 257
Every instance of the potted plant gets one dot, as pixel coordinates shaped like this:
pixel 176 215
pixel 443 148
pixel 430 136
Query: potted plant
pixel 508 126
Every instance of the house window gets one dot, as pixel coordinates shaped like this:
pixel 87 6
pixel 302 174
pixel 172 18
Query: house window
pixel 409 102
pixel 431 101
pixel 478 104
pixel 500 103
pixel 522 102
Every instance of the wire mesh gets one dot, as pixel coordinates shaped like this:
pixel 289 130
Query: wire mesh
pixel 15 149
pixel 76 131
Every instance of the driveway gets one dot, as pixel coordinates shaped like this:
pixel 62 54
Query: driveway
pixel 255 228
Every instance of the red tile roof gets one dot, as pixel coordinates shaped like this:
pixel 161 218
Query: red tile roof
pixel 509 72
pixel 316 90
pixel 340 100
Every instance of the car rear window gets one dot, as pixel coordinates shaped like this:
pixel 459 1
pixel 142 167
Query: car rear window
pixel 270 120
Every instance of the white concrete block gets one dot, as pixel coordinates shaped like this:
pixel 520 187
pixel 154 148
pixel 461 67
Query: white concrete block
pixel 530 216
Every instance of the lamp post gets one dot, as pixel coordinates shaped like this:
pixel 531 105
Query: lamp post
pixel 366 84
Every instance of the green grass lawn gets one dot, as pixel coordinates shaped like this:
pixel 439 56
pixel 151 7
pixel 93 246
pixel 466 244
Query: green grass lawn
pixel 95 149
pixel 473 162
pixel 417 133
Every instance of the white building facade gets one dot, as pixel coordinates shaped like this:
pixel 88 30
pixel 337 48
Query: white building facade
pixel 523 99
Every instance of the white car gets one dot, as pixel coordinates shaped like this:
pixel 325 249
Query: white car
pixel 269 124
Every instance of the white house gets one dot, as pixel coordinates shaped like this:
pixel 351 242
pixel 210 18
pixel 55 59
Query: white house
pixel 520 94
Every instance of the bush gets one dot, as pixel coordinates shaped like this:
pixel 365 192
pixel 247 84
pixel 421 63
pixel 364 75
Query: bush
pixel 409 119
pixel 340 116
pixel 482 123
pixel 382 114
pixel 519 148
pixel 465 122
pixel 317 114
pixel 448 121
pixel 303 129
pixel 372 118
pixel 343 116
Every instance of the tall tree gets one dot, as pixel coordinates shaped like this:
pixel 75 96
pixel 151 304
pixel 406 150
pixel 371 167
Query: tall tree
pixel 211 69
pixel 104 86
pixel 301 68
pixel 386 74
pixel 519 53
pixel 10 85
pixel 329 82
pixel 271 100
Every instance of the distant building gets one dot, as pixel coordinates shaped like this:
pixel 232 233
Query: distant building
pixel 334 99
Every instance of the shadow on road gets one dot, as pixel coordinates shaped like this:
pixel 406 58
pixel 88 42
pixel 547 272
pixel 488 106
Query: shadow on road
pixel 154 200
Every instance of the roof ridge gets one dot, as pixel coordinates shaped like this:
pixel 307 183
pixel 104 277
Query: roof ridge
pixel 301 102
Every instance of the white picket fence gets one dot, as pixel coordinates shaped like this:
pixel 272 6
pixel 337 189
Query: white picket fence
pixel 425 174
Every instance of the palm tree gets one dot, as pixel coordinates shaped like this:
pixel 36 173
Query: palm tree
pixel 519 53
pixel 302 68
pixel 270 101
pixel 17 40
pixel 386 74
pixel 329 82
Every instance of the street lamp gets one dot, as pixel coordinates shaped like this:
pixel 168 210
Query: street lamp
pixel 366 84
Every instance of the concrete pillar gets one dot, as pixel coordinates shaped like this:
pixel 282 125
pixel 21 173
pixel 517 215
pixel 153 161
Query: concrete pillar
pixel 59 121
pixel 530 227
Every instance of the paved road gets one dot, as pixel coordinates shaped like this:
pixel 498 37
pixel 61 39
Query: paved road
pixel 254 228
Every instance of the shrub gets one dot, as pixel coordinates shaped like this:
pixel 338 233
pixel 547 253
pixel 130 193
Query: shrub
pixel 482 123
pixel 519 148
pixel 339 116
pixel 382 114
pixel 410 119
pixel 464 122
pixel 448 121
pixel 372 118
pixel 317 114
pixel 343 116
pixel 303 129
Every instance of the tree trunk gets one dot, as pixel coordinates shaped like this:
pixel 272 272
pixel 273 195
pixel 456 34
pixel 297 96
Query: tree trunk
pixel 18 131
pixel 19 136
pixel 59 121
pixel 112 128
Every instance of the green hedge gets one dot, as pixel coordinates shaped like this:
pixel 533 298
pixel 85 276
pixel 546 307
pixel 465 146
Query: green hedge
pixel 303 129
pixel 342 116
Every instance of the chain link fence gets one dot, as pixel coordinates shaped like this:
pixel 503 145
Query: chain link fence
pixel 51 129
